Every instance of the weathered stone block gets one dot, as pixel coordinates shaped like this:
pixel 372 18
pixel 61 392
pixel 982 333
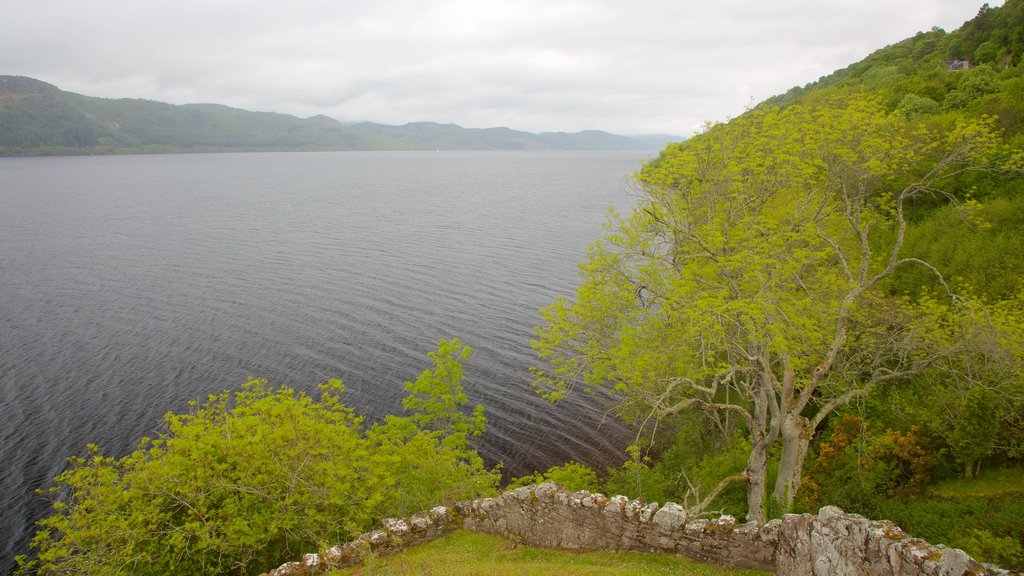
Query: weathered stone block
pixel 546 491
pixel 670 517
pixel 395 527
pixel 420 522
pixel 378 538
pixel 616 506
pixel 647 512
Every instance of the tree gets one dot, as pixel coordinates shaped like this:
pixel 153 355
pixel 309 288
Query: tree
pixel 430 451
pixel 247 480
pixel 436 397
pixel 749 277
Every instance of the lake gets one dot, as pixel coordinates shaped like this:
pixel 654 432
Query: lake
pixel 130 285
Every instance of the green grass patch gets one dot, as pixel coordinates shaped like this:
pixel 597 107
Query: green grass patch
pixel 470 553
pixel 995 482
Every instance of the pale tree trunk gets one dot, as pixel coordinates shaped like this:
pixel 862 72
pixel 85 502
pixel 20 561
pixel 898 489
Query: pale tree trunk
pixel 796 435
pixel 764 429
pixel 762 422
pixel 757 463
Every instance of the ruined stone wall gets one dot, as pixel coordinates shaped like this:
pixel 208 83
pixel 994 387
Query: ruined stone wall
pixel 550 516
pixel 830 543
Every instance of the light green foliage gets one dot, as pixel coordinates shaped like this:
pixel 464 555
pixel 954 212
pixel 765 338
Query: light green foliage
pixel 436 397
pixel 572 475
pixel 974 84
pixel 685 462
pixel 246 481
pixel 747 279
pixel 990 483
pixel 857 240
pixel 1000 550
pixel 685 467
pixel 227 488
pixel 975 400
pixel 978 246
pixel 430 451
pixel 740 239
pixel 914 105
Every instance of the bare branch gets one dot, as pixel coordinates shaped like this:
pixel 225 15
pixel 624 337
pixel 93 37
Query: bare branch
pixel 703 405
pixel 933 269
pixel 699 509
pixel 842 257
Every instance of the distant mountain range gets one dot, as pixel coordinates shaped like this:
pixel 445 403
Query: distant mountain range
pixel 39 118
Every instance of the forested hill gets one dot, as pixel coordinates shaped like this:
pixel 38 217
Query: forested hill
pixel 915 74
pixel 39 118
pixel 821 302
pixel 937 80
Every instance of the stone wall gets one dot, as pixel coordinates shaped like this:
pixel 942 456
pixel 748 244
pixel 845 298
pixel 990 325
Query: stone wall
pixel 830 543
pixel 549 516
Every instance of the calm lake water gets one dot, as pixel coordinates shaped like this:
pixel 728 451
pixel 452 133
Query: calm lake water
pixel 130 285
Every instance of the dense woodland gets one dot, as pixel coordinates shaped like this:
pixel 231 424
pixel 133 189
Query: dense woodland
pixel 818 302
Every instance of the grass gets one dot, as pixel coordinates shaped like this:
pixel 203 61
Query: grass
pixel 995 482
pixel 466 553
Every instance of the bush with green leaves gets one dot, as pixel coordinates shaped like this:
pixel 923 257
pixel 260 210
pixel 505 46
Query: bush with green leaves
pixel 986 526
pixel 685 463
pixel 1001 550
pixel 572 475
pixel 249 479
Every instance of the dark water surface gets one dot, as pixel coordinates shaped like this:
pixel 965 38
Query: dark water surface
pixel 130 285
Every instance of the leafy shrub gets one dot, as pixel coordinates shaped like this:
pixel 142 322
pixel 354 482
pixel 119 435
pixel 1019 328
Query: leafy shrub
pixel 985 527
pixel 855 469
pixel 251 478
pixel 685 467
pixel 914 105
pixel 976 83
pixel 1003 551
pixel 572 475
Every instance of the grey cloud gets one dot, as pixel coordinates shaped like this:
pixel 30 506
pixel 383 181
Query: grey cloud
pixel 646 66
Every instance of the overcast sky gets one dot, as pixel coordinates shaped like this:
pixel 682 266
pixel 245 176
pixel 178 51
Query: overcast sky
pixel 626 66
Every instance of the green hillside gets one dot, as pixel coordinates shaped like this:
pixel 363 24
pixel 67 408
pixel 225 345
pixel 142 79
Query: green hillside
pixel 821 301
pixel 39 118
pixel 918 67
pixel 938 79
